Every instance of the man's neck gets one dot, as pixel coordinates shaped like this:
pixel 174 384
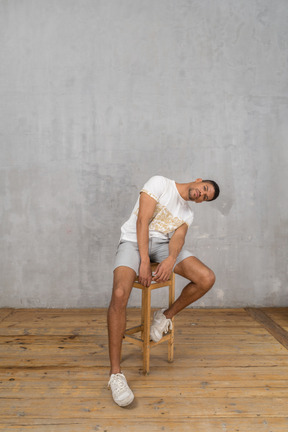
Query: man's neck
pixel 183 189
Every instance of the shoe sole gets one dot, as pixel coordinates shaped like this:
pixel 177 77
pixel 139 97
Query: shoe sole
pixel 124 404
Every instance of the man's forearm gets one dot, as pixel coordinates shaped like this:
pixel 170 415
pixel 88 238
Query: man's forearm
pixel 165 268
pixel 145 275
pixel 143 239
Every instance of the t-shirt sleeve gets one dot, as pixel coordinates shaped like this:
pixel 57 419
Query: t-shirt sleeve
pixel 189 219
pixel 155 187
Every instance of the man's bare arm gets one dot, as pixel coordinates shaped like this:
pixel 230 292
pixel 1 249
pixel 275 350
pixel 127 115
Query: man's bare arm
pixel 176 243
pixel 146 210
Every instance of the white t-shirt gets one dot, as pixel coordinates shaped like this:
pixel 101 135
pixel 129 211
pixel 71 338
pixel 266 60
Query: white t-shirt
pixel 170 213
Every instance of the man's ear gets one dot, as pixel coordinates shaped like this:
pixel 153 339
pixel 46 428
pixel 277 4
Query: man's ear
pixel 198 180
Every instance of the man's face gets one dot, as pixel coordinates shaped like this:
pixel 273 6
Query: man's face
pixel 200 191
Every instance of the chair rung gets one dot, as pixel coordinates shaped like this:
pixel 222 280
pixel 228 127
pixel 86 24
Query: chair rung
pixel 139 341
pixel 133 330
pixel 134 340
pixel 164 339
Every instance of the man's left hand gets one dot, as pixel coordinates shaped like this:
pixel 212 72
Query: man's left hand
pixel 164 270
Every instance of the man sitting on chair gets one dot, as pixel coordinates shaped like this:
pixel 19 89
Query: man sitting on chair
pixel 155 232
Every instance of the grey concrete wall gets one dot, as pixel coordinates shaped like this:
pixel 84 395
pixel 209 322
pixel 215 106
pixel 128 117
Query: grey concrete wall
pixel 96 96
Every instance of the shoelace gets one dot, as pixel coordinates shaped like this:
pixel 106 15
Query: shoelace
pixel 119 381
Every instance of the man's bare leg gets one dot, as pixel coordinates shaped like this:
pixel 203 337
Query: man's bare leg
pixel 122 286
pixel 202 279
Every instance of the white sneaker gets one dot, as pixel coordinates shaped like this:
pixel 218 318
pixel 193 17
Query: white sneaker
pixel 121 392
pixel 160 325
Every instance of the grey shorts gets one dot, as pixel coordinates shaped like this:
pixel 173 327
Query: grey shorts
pixel 128 253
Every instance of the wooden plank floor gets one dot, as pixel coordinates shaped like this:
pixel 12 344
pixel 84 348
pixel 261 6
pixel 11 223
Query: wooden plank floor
pixel 230 374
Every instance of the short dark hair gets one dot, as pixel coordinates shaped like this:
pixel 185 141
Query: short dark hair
pixel 216 188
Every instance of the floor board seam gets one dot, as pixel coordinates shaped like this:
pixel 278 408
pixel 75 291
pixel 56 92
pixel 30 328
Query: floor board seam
pixel 278 332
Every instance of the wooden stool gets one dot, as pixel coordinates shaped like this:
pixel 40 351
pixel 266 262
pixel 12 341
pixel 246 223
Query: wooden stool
pixel 144 342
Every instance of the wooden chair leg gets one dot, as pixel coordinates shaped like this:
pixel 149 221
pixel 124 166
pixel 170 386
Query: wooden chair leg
pixel 144 328
pixel 171 348
pixel 146 336
pixel 171 340
pixel 142 314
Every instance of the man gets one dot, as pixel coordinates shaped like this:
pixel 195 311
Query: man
pixel 156 231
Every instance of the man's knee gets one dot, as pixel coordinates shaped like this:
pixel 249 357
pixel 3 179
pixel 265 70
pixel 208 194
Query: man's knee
pixel 119 298
pixel 207 279
pixel 197 272
pixel 120 293
pixel 122 285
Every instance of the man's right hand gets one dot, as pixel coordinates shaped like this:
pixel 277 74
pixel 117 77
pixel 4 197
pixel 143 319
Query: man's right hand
pixel 145 275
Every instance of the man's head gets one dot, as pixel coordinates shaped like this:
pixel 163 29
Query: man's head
pixel 203 190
